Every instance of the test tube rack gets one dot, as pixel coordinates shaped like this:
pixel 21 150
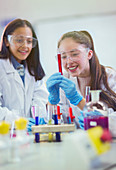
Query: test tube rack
pixel 53 128
pixel 44 130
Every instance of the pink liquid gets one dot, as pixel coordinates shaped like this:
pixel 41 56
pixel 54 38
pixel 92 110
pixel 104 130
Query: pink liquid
pixel 92 121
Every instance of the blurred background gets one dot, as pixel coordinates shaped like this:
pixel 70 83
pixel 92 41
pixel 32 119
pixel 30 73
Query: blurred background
pixel 51 18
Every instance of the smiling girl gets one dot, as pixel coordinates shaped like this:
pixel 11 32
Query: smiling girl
pixel 21 77
pixel 82 68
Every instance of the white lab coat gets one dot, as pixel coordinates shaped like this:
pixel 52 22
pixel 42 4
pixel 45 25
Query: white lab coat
pixel 65 104
pixel 15 98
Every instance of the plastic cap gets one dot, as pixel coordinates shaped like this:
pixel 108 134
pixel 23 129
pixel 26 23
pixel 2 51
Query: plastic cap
pixel 71 114
pixel 95 95
pixel 95 135
pixel 106 136
pixel 4 128
pixel 21 123
pixel 58 112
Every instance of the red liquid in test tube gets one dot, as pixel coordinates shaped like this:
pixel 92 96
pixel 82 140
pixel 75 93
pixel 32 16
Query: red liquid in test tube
pixel 71 114
pixel 59 63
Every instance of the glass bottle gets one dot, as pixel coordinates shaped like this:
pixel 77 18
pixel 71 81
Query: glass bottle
pixel 100 115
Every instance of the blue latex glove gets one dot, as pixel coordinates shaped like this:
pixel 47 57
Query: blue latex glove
pixel 42 121
pixel 53 88
pixel 81 120
pixel 31 122
pixel 81 117
pixel 69 88
pixel 57 81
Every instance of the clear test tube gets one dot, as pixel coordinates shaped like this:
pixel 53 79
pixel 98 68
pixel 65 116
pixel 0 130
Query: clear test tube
pixel 87 94
pixel 55 117
pixel 66 116
pixel 35 113
pixel 41 111
pixel 50 112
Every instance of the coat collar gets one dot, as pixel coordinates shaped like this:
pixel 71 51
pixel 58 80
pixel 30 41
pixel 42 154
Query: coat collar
pixel 9 69
pixel 8 66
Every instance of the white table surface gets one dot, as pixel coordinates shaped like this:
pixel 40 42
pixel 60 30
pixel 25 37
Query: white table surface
pixel 52 156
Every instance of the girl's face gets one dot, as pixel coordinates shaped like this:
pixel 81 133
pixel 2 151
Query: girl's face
pixel 20 44
pixel 75 58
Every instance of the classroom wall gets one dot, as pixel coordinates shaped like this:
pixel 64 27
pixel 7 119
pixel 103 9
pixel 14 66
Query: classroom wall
pixel 52 18
pixel 101 27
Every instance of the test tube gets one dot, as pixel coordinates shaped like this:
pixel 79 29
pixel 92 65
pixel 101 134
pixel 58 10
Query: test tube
pixel 50 110
pixel 66 117
pixel 87 94
pixel 12 132
pixel 71 114
pixel 59 63
pixel 55 116
pixel 35 110
pixel 59 114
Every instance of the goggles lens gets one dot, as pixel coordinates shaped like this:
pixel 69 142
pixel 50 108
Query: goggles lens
pixel 20 40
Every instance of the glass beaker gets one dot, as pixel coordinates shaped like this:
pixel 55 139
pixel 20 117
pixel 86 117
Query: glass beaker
pixel 100 115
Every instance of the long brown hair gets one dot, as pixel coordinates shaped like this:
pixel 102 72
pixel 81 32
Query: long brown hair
pixel 33 60
pixel 98 73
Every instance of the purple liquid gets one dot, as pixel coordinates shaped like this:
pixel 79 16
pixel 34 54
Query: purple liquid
pixel 68 120
pixel 92 121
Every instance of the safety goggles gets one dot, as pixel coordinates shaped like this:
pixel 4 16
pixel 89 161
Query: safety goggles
pixel 73 55
pixel 20 40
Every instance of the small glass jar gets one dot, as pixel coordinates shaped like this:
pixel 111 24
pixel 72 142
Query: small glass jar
pixel 101 116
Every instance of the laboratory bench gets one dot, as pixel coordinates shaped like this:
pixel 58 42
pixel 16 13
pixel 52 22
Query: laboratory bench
pixel 59 156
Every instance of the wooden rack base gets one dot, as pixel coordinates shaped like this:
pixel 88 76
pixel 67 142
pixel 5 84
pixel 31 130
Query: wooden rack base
pixel 53 128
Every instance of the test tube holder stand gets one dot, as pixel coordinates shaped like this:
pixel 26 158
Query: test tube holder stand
pixel 53 128
pixel 44 130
